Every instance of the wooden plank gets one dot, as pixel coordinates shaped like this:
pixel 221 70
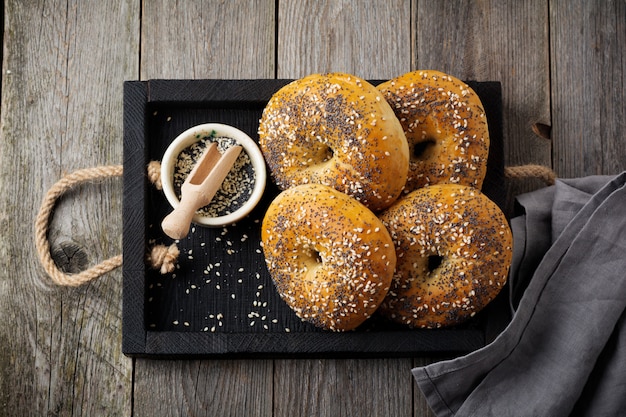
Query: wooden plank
pixel 338 387
pixel 496 41
pixel 588 87
pixel 63 68
pixel 369 39
pixel 337 36
pixel 134 247
pixel 200 39
pixel 420 405
pixel 202 387
pixel 196 40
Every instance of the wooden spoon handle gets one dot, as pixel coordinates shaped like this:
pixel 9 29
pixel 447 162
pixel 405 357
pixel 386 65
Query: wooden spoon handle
pixel 176 224
pixel 198 190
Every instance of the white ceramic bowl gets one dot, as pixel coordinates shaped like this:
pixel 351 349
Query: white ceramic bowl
pixel 194 134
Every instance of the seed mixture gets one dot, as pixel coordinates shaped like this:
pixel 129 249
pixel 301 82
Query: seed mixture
pixel 216 285
pixel 215 288
pixel 237 186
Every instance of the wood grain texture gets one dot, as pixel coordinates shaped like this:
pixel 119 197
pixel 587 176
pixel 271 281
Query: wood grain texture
pixel 420 406
pixel 207 39
pixel 588 86
pixel 501 41
pixel 133 323
pixel 63 66
pixel 561 64
pixel 229 40
pixel 370 39
pixel 350 387
pixel 203 388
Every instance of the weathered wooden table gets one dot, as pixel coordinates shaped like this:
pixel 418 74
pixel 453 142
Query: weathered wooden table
pixel 563 71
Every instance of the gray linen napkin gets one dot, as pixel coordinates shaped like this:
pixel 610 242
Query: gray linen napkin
pixel 564 351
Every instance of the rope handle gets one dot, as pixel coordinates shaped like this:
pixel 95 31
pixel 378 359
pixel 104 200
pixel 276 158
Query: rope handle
pixel 541 172
pixel 42 223
pixel 160 257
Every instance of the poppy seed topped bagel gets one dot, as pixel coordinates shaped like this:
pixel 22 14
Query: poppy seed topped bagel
pixel 337 130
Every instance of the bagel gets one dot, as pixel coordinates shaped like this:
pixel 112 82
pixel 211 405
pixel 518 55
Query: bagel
pixel 445 125
pixel 454 249
pixel 330 258
pixel 335 129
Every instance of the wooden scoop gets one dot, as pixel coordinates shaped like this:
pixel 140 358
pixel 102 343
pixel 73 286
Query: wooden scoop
pixel 199 188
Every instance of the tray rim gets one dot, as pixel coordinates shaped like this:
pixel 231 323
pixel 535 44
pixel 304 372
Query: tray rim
pixel 138 341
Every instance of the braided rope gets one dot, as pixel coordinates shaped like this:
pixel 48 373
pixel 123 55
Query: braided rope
pixel 42 224
pixel 154 174
pixel 161 257
pixel 531 171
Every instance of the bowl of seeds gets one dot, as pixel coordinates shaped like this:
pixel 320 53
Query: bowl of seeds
pixel 242 187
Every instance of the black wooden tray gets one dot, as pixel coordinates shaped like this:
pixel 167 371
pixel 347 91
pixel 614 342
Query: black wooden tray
pixel 221 302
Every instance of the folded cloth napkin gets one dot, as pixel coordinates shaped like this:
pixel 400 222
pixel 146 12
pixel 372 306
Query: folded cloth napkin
pixel 564 351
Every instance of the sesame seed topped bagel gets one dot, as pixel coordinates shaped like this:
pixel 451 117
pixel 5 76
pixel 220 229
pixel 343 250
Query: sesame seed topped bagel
pixel 445 125
pixel 330 258
pixel 454 250
pixel 335 129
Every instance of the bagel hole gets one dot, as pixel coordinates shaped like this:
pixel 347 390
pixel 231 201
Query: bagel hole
pixel 421 150
pixel 309 263
pixel 434 261
pixel 316 256
pixel 328 154
pixel 312 256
